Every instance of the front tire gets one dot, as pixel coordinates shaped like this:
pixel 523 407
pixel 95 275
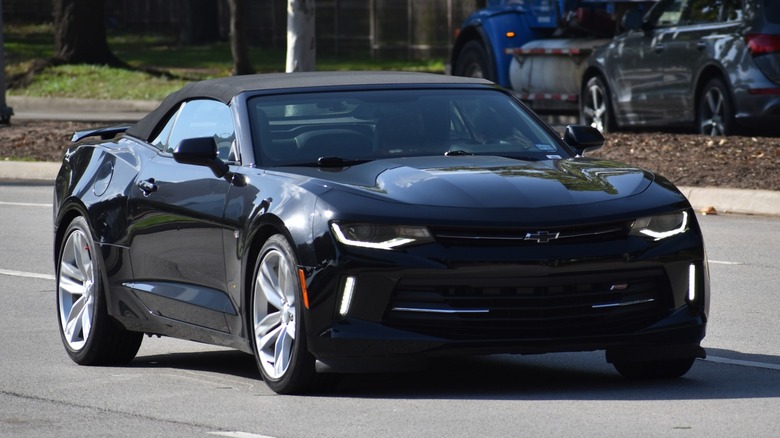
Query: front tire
pixel 89 334
pixel 715 115
pixel 596 106
pixel 661 369
pixel 278 336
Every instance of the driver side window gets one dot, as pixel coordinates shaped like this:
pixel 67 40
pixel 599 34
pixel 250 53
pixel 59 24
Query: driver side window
pixel 200 118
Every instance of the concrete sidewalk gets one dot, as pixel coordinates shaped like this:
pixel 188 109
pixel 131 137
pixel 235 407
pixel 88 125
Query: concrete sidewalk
pixel 723 200
pixel 79 110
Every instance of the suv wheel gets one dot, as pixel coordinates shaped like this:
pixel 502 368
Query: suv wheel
pixel 596 106
pixel 715 115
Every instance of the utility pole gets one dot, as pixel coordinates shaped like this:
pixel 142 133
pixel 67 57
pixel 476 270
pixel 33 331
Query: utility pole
pixel 5 111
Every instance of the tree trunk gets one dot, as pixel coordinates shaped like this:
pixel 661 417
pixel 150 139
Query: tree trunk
pixel 242 65
pixel 301 46
pixel 5 111
pixel 80 33
pixel 199 22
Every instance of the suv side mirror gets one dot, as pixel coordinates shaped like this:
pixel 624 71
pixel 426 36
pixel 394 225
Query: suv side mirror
pixel 583 138
pixel 200 151
pixel 633 19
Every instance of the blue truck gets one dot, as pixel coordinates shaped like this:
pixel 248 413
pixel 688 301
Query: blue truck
pixel 537 48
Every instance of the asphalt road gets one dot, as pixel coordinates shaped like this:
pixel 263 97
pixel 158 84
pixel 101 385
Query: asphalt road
pixel 178 388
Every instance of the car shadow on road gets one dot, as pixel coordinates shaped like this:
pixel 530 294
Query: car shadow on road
pixel 229 362
pixel 566 376
pixel 560 376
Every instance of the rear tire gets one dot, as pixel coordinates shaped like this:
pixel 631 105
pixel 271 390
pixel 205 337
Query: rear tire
pixel 596 106
pixel 661 369
pixel 715 115
pixel 89 334
pixel 473 62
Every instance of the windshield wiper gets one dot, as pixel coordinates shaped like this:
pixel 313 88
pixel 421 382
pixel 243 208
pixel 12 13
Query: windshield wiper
pixel 339 162
pixel 457 152
pixel 461 152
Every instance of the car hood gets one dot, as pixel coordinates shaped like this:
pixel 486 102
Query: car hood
pixel 485 181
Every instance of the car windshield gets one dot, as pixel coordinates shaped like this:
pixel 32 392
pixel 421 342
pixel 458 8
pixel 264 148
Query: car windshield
pixel 338 128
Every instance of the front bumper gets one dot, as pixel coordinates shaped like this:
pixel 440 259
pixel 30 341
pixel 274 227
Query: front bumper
pixel 408 306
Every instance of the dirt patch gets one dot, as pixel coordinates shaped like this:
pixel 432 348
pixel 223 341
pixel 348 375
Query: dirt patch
pixel 687 160
pixel 699 161
pixel 37 140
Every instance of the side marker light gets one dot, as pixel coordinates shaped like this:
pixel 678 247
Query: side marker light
pixel 304 291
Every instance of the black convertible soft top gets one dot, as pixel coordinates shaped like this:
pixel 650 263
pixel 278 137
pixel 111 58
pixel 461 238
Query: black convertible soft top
pixel 225 89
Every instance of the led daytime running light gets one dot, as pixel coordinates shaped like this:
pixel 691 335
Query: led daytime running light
pixel 692 283
pixel 398 236
pixel 643 226
pixel 346 295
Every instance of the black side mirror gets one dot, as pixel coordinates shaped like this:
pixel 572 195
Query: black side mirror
pixel 201 151
pixel 583 138
pixel 633 19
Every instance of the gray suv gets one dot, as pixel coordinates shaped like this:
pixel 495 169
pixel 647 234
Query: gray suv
pixel 712 65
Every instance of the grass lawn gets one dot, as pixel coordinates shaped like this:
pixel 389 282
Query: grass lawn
pixel 26 43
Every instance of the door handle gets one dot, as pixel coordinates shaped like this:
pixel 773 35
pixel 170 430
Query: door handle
pixel 659 48
pixel 701 45
pixel 147 186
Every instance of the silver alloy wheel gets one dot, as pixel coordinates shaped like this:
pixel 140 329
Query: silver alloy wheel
pixel 595 107
pixel 274 313
pixel 713 113
pixel 76 289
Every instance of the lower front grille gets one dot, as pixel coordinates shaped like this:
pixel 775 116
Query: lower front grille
pixel 560 306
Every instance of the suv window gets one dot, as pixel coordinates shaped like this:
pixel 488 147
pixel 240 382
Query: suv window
pixel 198 118
pixel 670 13
pixel 688 12
pixel 772 10
pixel 701 11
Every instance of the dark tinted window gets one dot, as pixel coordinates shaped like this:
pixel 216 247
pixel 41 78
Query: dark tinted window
pixel 712 11
pixel 693 12
pixel 772 10
pixel 731 10
pixel 667 13
pixel 702 11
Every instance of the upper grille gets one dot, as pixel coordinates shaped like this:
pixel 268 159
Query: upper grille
pixel 529 236
pixel 530 307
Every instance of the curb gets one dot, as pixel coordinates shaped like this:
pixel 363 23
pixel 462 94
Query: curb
pixel 29 171
pixel 27 103
pixel 79 110
pixel 726 200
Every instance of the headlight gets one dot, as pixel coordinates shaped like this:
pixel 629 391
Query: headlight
pixel 380 236
pixel 661 226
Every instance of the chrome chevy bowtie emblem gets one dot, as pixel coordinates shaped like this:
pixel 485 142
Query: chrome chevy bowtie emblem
pixel 541 236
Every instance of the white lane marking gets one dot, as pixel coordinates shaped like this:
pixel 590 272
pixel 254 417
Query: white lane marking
pixel 744 363
pixel 24 204
pixel 240 435
pixel 719 262
pixel 26 274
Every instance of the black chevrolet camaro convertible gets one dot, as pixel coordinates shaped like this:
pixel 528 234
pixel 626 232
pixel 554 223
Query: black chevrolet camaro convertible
pixel 348 222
